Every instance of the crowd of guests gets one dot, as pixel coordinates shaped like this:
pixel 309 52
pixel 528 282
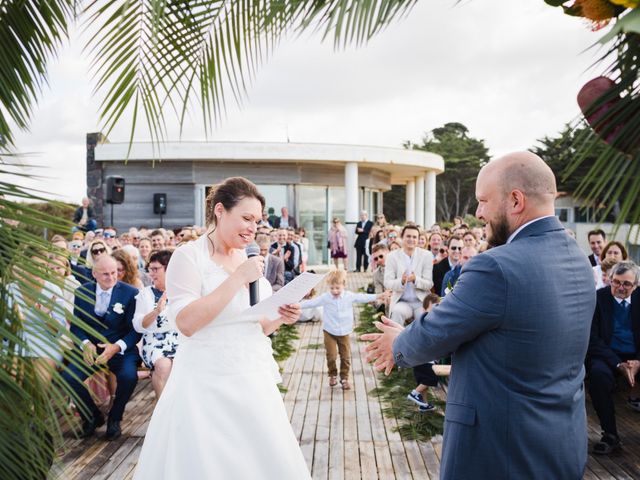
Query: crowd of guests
pixel 115 282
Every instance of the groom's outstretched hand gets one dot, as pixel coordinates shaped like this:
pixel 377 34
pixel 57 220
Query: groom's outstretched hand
pixel 380 350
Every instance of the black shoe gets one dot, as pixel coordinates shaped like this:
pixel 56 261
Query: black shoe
pixel 609 443
pixel 89 426
pixel 113 430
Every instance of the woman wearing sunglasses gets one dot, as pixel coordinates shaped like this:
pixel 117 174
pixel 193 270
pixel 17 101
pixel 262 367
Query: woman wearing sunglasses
pixel 95 250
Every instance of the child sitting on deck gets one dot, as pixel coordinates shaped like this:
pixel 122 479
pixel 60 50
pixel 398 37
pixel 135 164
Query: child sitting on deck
pixel 424 374
pixel 337 322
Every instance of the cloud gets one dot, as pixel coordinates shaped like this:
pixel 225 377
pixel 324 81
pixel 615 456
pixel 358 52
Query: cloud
pixel 508 70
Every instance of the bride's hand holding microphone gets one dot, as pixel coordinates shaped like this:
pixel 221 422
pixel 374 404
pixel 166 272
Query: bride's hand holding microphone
pixel 251 269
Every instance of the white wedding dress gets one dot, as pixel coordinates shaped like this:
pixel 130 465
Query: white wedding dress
pixel 221 415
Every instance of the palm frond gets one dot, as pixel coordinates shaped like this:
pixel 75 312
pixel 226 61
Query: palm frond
pixel 30 33
pixel 32 411
pixel 156 56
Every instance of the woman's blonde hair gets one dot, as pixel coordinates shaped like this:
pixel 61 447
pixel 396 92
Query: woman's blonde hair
pixel 131 275
pixel 90 259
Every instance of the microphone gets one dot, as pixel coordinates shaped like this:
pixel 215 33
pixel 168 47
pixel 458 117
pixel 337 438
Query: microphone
pixel 253 250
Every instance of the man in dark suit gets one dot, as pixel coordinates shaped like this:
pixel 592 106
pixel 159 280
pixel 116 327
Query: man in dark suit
pixel 447 264
pixel 517 325
pixel 283 249
pixel 273 266
pixel 285 220
pixel 107 308
pixel 614 348
pixel 363 227
pixel 597 238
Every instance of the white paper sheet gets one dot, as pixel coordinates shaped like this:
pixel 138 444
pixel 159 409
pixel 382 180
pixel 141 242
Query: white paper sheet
pixel 292 292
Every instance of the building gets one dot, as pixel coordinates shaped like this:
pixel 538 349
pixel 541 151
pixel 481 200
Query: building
pixel 315 181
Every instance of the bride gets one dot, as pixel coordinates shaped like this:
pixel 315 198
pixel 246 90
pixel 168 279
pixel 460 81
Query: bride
pixel 221 414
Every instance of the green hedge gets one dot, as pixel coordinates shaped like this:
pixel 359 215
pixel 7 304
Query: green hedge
pixel 394 388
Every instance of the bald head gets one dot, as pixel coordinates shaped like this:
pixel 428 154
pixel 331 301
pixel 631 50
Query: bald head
pixel 524 171
pixel 105 271
pixel 513 190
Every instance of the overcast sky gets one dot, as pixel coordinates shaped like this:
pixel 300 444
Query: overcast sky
pixel 508 70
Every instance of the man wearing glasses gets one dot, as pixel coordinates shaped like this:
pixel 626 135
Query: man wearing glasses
pixel 614 348
pixel 441 268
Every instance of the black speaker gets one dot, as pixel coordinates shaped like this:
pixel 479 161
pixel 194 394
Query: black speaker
pixel 115 190
pixel 160 203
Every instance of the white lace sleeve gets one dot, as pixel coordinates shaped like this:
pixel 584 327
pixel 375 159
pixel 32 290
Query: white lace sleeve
pixel 183 281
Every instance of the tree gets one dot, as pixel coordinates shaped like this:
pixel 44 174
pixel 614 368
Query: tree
pixel 559 153
pixel 463 156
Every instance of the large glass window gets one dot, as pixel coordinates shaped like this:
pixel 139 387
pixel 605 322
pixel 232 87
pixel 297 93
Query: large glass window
pixel 275 197
pixel 312 216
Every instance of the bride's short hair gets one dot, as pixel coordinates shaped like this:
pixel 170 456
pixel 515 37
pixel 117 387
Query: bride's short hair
pixel 229 193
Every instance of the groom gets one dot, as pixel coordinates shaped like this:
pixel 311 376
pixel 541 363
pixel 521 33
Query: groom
pixel 107 308
pixel 517 324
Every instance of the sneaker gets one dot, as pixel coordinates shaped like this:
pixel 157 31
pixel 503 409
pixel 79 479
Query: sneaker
pixel 634 402
pixel 428 408
pixel 417 398
pixel 608 444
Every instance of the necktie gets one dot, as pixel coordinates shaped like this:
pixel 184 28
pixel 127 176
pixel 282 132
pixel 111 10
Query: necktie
pixel 102 308
pixel 624 304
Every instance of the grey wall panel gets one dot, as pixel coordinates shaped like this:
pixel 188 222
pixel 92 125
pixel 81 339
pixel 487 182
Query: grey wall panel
pixel 210 173
pixel 146 172
pixel 322 175
pixel 376 179
pixel 137 209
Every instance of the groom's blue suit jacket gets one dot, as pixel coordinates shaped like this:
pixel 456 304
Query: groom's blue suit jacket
pixel 113 325
pixel 517 324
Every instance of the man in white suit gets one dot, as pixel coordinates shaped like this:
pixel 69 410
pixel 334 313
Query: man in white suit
pixel 408 274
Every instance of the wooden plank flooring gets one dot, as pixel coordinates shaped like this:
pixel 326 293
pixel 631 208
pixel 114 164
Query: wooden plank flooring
pixel 342 434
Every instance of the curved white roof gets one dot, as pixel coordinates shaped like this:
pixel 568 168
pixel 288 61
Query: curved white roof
pixel 402 164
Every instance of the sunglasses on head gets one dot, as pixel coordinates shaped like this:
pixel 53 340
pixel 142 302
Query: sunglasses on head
pixel 98 251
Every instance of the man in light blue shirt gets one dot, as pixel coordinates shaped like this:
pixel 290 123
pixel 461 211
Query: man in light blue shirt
pixel 337 323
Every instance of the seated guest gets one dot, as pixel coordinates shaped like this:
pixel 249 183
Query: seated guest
pixel 597 239
pixel 159 338
pixel 614 348
pixel 127 269
pixel 84 218
pixel 97 249
pixel 294 240
pixel 423 374
pixel 452 275
pixel 284 250
pixel 135 255
pixel 380 256
pixel 441 268
pixel 60 265
pixel 614 251
pixel 145 248
pixel 107 307
pixel 408 275
pixel 273 266
pixel 39 304
pixel 78 267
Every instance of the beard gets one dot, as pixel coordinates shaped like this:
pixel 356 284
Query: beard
pixel 500 231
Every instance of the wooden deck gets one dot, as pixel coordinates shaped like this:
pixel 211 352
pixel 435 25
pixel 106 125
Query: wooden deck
pixel 343 435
